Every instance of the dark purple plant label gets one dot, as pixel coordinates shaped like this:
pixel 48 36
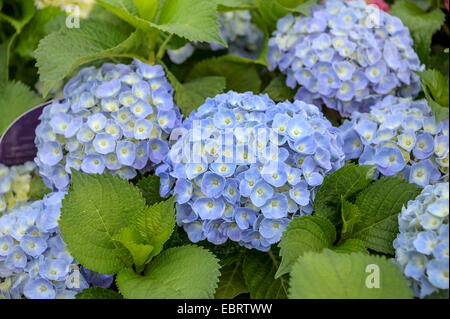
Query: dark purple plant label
pixel 17 143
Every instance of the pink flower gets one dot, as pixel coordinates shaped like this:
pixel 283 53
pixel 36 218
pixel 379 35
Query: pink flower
pixel 446 5
pixel 380 4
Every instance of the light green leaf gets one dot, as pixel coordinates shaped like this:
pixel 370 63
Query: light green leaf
pixel 350 246
pixel 259 273
pixel 345 182
pixel 380 205
pixel 422 25
pixel 93 212
pixel 130 240
pixel 229 5
pixel 94 40
pixel 98 293
pixel 177 273
pixel 15 99
pixel 241 74
pixel 147 8
pixel 329 275
pixel 278 91
pixel 305 233
pixel 195 20
pixel 155 224
pixel 231 283
pixel 350 217
pixel 149 187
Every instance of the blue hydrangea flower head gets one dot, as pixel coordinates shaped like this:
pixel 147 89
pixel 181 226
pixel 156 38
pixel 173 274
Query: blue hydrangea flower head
pixel 402 138
pixel 244 39
pixel 346 55
pixel 34 261
pixel 242 167
pixel 421 248
pixel 109 121
pixel 15 183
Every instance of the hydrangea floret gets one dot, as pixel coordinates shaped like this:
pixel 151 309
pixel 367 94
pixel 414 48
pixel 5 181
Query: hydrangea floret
pixel 421 248
pixel 34 261
pixel 243 166
pixel 244 39
pixel 115 119
pixel 15 182
pixel 345 55
pixel 402 138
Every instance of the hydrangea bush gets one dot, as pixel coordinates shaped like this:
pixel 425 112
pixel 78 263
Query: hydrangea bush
pixel 244 166
pixel 34 262
pixel 401 137
pixel 115 119
pixel 244 39
pixel 421 248
pixel 15 184
pixel 345 55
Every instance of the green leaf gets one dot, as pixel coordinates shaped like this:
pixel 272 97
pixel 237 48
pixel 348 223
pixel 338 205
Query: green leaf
pixel 93 212
pixel 98 293
pixel 140 252
pixel 27 10
pixel 149 187
pixel 195 20
pixel 278 91
pixel 380 205
pixel 231 283
pixel 15 99
pixel 436 85
pixel 147 8
pixel 37 188
pixel 45 21
pixel 350 246
pixel 440 60
pixel 177 273
pixel 155 224
pixel 305 233
pixel 436 90
pixel 273 10
pixel 229 5
pixel 350 216
pixel 329 275
pixel 3 64
pixel 345 182
pixel 259 273
pixel 94 40
pixel 241 74
pixel 190 95
pixel 422 25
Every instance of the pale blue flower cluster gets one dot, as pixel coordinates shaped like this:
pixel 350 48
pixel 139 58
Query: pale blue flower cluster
pixel 15 184
pixel 244 166
pixel 346 55
pixel 421 248
pixel 34 262
pixel 244 39
pixel 402 138
pixel 115 119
